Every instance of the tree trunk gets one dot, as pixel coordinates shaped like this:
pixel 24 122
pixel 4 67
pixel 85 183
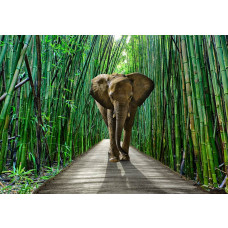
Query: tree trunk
pixel 38 129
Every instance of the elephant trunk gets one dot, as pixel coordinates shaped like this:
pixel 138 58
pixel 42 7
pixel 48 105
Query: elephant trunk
pixel 121 115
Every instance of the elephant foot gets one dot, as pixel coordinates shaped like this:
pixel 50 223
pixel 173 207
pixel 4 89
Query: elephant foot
pixel 124 157
pixel 113 155
pixel 113 159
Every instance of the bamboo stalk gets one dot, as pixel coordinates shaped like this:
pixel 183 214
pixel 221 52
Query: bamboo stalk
pixel 15 88
pixel 14 80
pixel 4 143
pixel 38 132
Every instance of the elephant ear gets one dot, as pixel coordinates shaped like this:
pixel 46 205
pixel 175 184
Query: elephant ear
pixel 142 87
pixel 99 90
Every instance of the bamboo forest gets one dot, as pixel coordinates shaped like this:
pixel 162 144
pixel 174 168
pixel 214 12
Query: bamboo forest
pixel 48 117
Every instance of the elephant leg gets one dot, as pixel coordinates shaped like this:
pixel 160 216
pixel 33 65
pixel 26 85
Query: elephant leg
pixel 127 134
pixel 103 112
pixel 113 151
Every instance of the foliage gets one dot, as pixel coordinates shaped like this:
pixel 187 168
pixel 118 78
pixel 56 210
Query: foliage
pixel 184 122
pixel 19 175
pixel 20 181
pixel 51 118
pixel 50 172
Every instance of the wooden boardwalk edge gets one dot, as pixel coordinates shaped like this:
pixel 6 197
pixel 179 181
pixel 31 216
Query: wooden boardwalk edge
pixel 165 166
pixel 211 191
pixel 64 169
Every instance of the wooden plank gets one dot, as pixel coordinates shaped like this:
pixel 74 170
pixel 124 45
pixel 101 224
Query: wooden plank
pixel 92 174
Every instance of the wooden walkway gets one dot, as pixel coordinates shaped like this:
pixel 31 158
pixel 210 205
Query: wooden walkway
pixel 92 173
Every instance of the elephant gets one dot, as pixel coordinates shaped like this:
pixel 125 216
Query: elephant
pixel 117 97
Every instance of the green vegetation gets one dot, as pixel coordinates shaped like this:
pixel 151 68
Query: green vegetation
pixel 51 117
pixel 20 181
pixel 183 124
pixel 48 117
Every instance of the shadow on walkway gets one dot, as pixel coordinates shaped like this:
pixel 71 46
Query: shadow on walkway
pixel 124 177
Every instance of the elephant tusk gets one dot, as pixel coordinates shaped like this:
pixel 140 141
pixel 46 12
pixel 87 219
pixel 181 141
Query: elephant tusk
pixel 128 114
pixel 114 115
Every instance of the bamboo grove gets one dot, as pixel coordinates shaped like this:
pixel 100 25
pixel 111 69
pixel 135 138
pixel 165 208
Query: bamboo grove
pixel 183 124
pixel 47 116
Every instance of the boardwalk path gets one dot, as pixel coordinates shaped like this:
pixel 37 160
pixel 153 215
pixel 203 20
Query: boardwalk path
pixel 92 173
